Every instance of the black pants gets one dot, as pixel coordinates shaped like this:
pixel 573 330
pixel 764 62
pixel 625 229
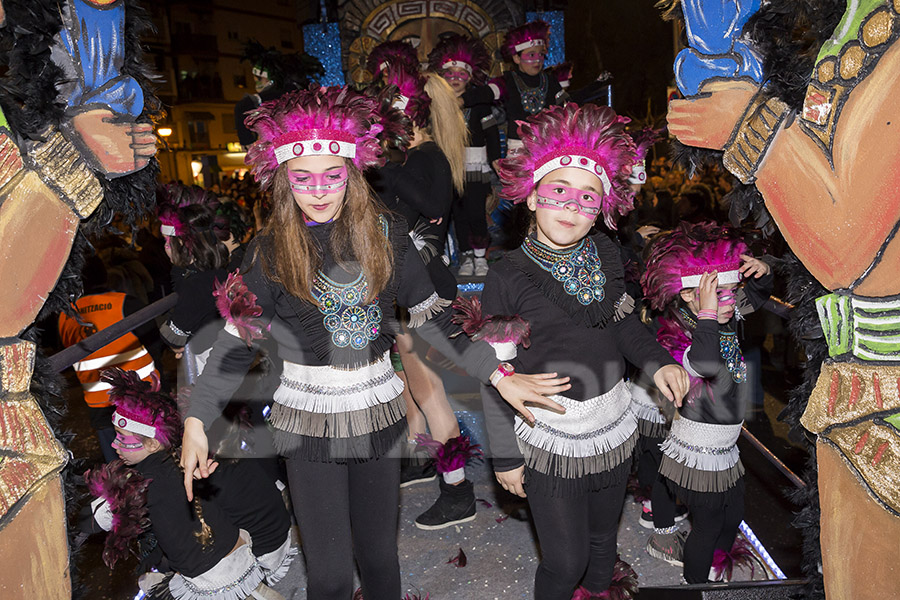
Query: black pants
pixel 469 218
pixel 578 540
pixel 711 529
pixel 347 510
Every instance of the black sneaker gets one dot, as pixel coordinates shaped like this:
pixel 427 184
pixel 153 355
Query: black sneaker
pixel 412 473
pixel 455 505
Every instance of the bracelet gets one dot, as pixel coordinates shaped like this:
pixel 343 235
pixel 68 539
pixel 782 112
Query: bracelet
pixel 751 138
pixel 708 314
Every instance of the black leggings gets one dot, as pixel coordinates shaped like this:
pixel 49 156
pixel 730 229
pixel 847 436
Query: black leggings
pixel 578 538
pixel 347 510
pixel 469 218
pixel 711 529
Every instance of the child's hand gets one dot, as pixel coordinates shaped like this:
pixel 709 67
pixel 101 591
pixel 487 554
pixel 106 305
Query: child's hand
pixel 673 382
pixel 195 455
pixel 512 481
pixel 754 266
pixel 709 283
pixel 518 388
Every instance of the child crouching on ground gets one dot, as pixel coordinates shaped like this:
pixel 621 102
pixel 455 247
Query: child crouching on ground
pixel 228 544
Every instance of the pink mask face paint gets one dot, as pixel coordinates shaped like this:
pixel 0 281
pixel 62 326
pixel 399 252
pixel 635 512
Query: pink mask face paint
pixel 127 443
pixel 726 297
pixel 462 76
pixel 329 182
pixel 532 57
pixel 558 197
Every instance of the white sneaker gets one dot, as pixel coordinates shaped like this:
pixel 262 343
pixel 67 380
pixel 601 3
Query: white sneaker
pixel 481 266
pixel 467 266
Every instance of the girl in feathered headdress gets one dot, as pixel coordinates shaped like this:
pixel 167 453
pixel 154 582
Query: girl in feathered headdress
pixel 692 278
pixel 573 462
pixel 324 276
pixel 227 545
pixel 195 235
pixel 464 63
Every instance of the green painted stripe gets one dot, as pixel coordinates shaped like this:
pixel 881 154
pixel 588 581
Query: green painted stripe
pixel 894 420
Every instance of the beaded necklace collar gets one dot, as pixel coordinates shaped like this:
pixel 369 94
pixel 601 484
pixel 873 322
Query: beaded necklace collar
pixel 576 268
pixel 532 97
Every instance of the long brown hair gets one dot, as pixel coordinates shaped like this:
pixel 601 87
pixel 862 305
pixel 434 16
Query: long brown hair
pixel 294 258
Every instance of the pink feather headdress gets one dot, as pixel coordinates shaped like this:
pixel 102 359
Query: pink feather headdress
pixel 388 55
pixel 529 35
pixel 463 52
pixel 684 254
pixel 333 121
pixel 412 98
pixel 125 493
pixel 587 137
pixel 142 408
pixel 397 131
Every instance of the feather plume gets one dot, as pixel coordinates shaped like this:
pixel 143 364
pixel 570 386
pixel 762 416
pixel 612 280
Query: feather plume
pixel 491 329
pixel 741 556
pixel 388 55
pixel 624 585
pixel 452 455
pixel 238 306
pixel 125 491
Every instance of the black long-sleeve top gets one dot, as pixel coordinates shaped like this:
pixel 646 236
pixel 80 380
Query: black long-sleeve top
pixel 195 317
pixel 592 356
pixel 297 330
pixel 483 130
pixel 513 104
pixel 423 186
pixel 174 521
pixel 715 399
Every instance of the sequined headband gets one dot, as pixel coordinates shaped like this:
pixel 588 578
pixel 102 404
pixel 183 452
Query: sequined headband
pixel 167 230
pixel 458 64
pixel 129 424
pixel 579 158
pixel 728 273
pixel 314 142
pixel 638 173
pixel 401 102
pixel 529 44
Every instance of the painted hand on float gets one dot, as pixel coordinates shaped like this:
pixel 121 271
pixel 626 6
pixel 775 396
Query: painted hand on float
pixel 715 50
pixel 103 104
pixel 111 145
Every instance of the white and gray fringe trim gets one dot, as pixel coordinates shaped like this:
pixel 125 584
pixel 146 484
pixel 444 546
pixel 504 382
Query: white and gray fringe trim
pixel 345 424
pixel 276 563
pixel 426 309
pixel 702 457
pixel 592 436
pixel 644 406
pixel 328 390
pixel 233 578
pixel 574 467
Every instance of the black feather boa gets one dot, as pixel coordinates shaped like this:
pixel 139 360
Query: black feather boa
pixel 28 96
pixel 804 326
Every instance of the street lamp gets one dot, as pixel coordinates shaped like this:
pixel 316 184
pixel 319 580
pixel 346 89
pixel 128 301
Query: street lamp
pixel 164 131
